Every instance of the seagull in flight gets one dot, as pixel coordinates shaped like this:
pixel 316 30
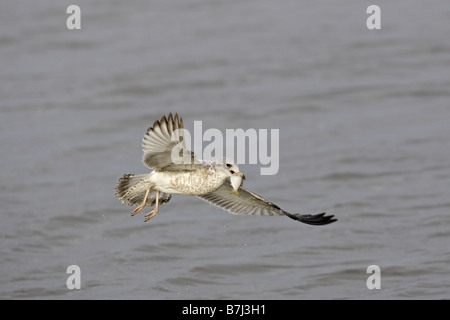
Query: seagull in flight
pixel 218 182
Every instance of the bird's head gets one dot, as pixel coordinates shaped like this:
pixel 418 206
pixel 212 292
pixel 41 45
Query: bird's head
pixel 231 169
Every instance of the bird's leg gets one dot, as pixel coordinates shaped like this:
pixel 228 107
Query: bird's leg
pixel 142 205
pixel 152 213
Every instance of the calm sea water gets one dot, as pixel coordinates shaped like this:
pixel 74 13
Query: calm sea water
pixel 364 134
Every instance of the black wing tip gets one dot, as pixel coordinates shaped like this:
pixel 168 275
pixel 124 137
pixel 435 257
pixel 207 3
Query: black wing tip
pixel 176 120
pixel 313 219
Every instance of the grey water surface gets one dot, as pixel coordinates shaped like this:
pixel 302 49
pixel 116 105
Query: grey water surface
pixel 364 120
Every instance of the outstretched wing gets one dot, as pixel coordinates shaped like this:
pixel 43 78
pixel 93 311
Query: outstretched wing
pixel 250 203
pixel 160 140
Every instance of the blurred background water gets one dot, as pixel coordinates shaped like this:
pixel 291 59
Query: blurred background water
pixel 364 134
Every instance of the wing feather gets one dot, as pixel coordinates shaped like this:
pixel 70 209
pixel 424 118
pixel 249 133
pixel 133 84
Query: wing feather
pixel 246 203
pixel 159 141
pixel 250 203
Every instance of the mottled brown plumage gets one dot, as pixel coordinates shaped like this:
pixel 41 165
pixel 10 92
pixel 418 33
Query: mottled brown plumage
pixel 177 170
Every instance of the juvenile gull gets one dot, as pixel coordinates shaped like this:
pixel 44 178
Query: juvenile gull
pixel 217 182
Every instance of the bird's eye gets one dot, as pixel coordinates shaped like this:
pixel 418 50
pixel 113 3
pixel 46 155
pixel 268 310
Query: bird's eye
pixel 228 165
pixel 231 171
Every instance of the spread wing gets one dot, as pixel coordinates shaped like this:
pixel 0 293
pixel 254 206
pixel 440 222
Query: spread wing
pixel 250 203
pixel 167 136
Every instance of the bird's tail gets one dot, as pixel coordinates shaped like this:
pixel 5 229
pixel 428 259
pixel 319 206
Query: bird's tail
pixel 132 188
pixel 126 184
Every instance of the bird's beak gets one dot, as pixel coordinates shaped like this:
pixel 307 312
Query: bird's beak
pixel 241 175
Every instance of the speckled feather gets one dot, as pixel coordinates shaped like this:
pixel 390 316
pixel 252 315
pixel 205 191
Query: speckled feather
pixel 208 180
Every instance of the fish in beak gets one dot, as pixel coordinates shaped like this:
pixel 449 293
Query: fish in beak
pixel 236 182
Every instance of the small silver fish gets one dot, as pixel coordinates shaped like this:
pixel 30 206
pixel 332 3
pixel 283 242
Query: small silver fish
pixel 236 183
